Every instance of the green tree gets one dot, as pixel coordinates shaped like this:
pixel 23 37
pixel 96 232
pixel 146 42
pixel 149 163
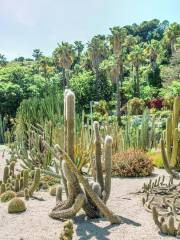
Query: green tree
pixel 117 40
pixel 37 54
pixel 136 58
pixel 64 56
pixel 78 48
pixel 3 60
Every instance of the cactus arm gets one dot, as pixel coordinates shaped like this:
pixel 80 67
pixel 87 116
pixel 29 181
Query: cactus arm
pixel 70 212
pixel 108 160
pixel 99 173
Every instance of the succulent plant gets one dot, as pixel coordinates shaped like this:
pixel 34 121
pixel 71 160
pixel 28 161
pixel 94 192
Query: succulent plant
pixel 6 174
pixel 68 231
pixel 52 191
pixel 16 205
pixel 8 195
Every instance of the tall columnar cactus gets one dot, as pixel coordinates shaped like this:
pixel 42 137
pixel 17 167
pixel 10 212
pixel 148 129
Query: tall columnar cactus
pixel 36 181
pixel 171 156
pixel 91 196
pixel 11 168
pixel 25 178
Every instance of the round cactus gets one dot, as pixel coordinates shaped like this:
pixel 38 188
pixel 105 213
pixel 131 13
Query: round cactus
pixel 52 191
pixel 7 196
pixel 16 205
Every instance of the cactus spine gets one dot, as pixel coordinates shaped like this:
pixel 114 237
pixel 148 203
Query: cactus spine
pixel 171 156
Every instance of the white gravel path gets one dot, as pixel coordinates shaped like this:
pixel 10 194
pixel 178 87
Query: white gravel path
pixel 34 224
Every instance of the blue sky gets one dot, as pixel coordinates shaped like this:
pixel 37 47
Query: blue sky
pixel 29 24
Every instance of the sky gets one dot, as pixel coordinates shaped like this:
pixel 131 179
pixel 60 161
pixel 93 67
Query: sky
pixel 29 24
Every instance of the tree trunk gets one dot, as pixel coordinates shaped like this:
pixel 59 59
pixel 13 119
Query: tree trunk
pixel 137 87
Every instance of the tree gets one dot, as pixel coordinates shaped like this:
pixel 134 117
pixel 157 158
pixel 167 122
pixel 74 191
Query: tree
pixel 79 48
pixel 117 40
pixel 171 34
pixel 3 60
pixel 45 66
pixel 37 54
pixel 136 58
pixel 64 57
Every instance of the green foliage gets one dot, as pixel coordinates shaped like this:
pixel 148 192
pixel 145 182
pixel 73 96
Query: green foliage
pixel 131 163
pixel 136 106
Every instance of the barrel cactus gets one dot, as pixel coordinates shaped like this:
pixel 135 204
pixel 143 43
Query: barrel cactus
pixel 16 205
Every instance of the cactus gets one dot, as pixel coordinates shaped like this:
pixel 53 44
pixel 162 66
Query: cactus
pixel 26 194
pixel 16 205
pixel 36 181
pixel 91 197
pixel 68 231
pixel 171 155
pixel 8 195
pixel 6 174
pixel 11 168
pixel 52 191
pixel 58 194
pixel 17 185
pixel 3 188
pixel 21 183
pixel 25 178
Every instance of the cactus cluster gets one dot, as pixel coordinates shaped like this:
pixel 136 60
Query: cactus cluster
pixel 19 183
pixel 162 200
pixel 171 155
pixel 68 231
pixel 92 195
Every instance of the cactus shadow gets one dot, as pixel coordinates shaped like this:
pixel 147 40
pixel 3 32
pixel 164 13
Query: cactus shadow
pixel 88 228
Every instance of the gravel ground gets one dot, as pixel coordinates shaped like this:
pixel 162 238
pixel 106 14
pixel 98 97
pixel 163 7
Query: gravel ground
pixel 34 224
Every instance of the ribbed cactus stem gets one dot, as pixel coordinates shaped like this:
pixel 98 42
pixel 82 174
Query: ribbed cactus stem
pixel 176 112
pixel 169 137
pixel 6 174
pixel 21 183
pixel 58 194
pixel 108 163
pixel 175 147
pixel 3 188
pixel 99 173
pixel 26 194
pixel 70 118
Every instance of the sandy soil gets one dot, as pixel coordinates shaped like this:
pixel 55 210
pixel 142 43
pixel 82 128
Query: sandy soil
pixel 34 224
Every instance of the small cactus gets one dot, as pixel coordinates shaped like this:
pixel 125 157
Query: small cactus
pixel 7 196
pixel 16 205
pixel 11 168
pixel 25 178
pixel 52 191
pixel 17 185
pixel 36 181
pixel 68 231
pixel 26 194
pixel 6 174
pixel 21 182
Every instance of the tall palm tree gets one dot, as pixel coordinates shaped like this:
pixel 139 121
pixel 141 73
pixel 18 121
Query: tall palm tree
pixel 117 40
pixel 97 51
pixel 136 58
pixel 44 66
pixel 151 51
pixel 170 35
pixel 64 57
pixel 79 48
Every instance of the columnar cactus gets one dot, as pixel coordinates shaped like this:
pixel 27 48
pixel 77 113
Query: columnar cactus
pixel 171 156
pixel 94 195
pixel 25 178
pixel 6 174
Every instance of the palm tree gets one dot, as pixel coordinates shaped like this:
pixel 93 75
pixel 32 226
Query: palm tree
pixel 44 66
pixel 79 48
pixel 170 35
pixel 117 40
pixel 136 57
pixel 37 54
pixel 151 51
pixel 97 51
pixel 3 60
pixel 64 57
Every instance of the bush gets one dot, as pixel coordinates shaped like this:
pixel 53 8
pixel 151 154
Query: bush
pixel 136 106
pixel 156 103
pixel 156 159
pixel 131 163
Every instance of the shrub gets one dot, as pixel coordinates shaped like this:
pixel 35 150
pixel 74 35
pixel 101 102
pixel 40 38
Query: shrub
pixel 131 163
pixel 136 106
pixel 156 103
pixel 6 196
pixel 156 159
pixel 16 205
